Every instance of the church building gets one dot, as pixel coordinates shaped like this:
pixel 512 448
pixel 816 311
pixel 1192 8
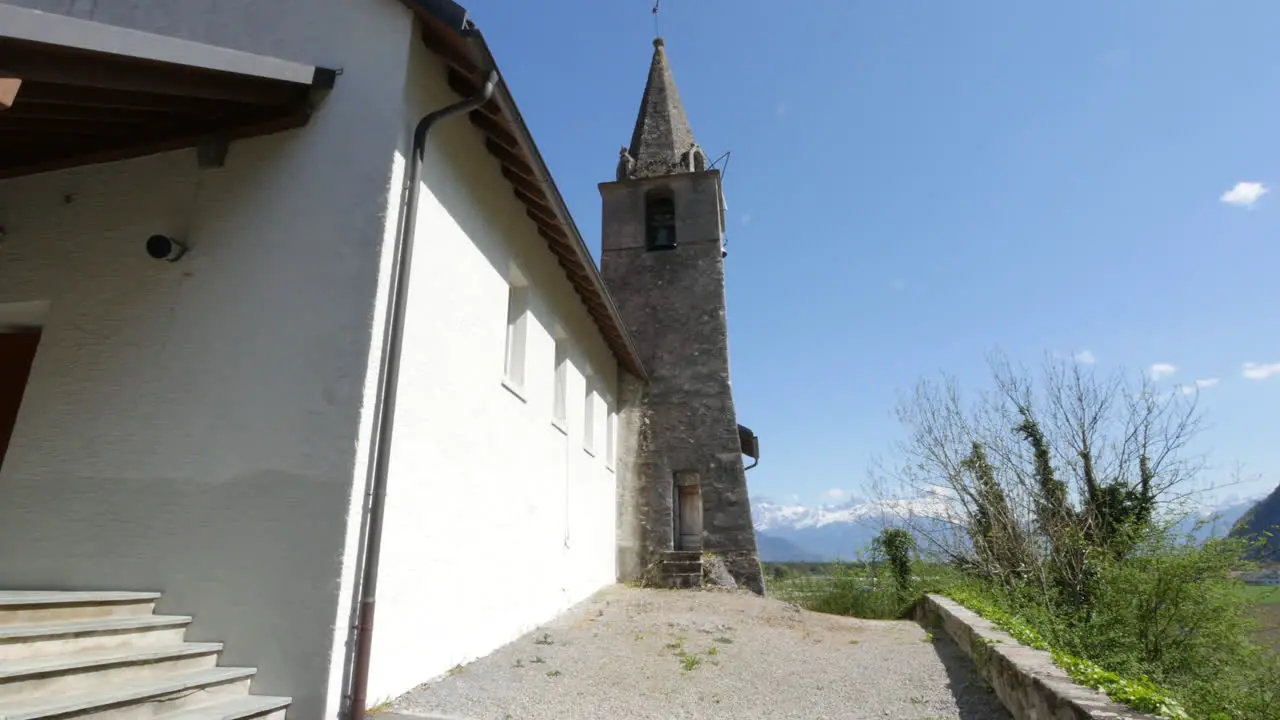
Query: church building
pixel 310 389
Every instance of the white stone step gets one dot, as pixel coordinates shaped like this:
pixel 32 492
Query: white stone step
pixel 26 606
pixel 56 674
pixel 20 642
pixel 139 700
pixel 249 707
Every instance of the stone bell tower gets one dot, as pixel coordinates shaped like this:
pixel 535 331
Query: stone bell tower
pixel 683 488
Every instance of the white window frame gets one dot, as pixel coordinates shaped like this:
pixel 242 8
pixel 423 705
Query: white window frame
pixel 610 435
pixel 517 347
pixel 560 400
pixel 589 418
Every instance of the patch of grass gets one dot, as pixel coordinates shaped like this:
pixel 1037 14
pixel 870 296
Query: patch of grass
pixel 724 640
pixel 455 670
pixel 378 708
pixel 689 662
pixel 554 673
pixel 713 650
pixel 928 638
pixel 544 639
pixel 856 592
pixel 538 660
pixel 678 645
pixel 1261 594
pixel 1267 626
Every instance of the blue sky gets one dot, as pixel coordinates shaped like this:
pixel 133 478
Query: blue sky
pixel 915 184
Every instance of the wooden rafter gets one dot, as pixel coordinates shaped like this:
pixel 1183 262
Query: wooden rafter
pixel 9 87
pixel 116 73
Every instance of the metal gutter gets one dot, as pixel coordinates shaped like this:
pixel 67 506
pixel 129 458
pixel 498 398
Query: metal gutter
pixel 388 385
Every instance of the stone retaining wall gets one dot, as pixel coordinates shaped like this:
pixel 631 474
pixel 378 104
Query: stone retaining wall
pixel 1025 679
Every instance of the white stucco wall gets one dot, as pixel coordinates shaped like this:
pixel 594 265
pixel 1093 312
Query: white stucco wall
pixel 496 519
pixel 200 428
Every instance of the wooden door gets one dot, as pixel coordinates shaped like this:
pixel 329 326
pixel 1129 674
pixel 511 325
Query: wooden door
pixel 690 518
pixel 17 350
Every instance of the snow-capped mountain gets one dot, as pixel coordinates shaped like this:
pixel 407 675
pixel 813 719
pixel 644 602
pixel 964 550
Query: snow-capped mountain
pixel 828 532
pixel 794 532
pixel 769 516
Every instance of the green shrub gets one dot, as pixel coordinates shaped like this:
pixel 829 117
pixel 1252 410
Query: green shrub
pixel 898 545
pixel 857 593
pixel 1165 631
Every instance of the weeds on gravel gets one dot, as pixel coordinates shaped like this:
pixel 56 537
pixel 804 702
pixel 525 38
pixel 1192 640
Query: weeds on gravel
pixel 554 673
pixel 689 662
pixel 378 708
pixel 544 639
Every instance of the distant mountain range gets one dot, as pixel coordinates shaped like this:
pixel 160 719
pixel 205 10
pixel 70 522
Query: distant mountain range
pixel 1262 517
pixel 798 533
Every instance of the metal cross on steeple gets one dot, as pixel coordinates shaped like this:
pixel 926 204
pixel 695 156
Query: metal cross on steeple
pixel 657 28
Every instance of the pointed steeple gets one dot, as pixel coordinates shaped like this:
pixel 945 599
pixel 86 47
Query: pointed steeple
pixel 662 143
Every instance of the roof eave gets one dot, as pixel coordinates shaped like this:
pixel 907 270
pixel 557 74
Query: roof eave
pixel 584 274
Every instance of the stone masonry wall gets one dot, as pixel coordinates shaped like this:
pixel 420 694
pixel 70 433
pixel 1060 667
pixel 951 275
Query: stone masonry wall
pixel 674 305
pixel 1026 680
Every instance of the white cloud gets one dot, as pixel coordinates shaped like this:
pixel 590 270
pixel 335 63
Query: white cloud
pixel 836 494
pixel 1203 384
pixel 1244 194
pixel 1085 357
pixel 1260 371
pixel 1161 370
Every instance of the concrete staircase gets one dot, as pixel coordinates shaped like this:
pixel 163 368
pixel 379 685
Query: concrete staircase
pixel 681 569
pixel 107 656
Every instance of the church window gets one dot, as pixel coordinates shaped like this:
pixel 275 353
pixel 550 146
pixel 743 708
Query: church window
pixel 589 419
pixel 517 334
pixel 660 221
pixel 558 409
pixel 611 436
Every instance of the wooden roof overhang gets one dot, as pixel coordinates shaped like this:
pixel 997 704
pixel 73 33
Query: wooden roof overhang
pixel 468 61
pixel 75 92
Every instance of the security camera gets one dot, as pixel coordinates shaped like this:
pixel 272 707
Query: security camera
pixel 163 247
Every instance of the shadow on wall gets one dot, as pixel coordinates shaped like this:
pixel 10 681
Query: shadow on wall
pixel 254 554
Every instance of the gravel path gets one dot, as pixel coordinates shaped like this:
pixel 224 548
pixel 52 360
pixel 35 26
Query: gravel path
pixel 630 653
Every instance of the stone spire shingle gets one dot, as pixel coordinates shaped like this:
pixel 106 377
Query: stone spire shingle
pixel 662 138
